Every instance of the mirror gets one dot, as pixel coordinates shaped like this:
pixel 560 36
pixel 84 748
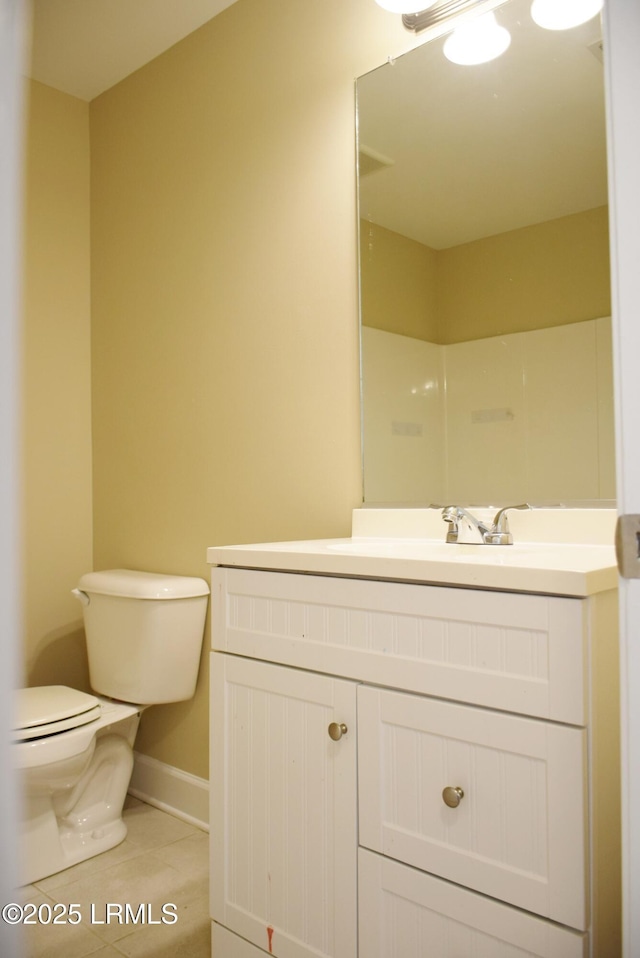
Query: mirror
pixel 484 273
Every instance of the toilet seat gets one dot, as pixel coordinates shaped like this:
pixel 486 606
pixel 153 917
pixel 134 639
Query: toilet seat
pixel 48 709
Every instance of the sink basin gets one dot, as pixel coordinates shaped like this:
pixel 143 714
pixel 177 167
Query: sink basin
pixel 556 568
pixel 433 549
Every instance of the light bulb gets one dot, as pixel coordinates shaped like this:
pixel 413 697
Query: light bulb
pixel 477 41
pixel 564 14
pixel 405 6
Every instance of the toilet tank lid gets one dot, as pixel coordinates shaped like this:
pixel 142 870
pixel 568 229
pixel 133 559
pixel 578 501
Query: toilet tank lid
pixel 130 584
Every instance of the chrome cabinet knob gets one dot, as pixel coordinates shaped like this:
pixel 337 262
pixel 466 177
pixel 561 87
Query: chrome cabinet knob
pixel 336 731
pixel 452 796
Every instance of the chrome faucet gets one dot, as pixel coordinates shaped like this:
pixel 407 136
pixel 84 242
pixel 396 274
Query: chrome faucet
pixel 465 528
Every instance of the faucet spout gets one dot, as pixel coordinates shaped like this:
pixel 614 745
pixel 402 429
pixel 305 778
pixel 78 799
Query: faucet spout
pixel 463 526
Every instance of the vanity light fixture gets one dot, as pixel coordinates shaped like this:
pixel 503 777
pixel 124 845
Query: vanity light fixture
pixel 477 41
pixel 564 14
pixel 419 15
pixel 405 6
pixel 430 14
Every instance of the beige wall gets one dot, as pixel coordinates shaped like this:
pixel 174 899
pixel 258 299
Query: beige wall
pixel 56 406
pixel 399 283
pixel 224 298
pixel 544 275
pixel 540 276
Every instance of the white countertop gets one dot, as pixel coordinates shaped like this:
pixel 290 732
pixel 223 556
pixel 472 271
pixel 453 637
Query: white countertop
pixel 557 568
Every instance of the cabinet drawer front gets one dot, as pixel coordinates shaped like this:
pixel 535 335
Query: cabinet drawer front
pixel 283 808
pixel 520 653
pixel 407 914
pixel 519 831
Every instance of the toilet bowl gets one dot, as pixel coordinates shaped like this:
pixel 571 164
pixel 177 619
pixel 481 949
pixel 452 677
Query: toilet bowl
pixel 73 750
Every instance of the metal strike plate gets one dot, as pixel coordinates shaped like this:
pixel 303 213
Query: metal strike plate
pixel 628 546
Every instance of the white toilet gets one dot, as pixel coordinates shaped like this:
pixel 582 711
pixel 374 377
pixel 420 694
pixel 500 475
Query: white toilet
pixel 75 751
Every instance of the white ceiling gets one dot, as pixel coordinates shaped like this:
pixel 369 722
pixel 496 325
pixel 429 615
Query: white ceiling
pixel 83 47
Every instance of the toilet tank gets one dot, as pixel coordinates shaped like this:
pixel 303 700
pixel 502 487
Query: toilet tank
pixel 144 634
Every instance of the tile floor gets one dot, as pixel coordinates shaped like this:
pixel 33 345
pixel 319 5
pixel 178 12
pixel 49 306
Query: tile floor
pixel 162 860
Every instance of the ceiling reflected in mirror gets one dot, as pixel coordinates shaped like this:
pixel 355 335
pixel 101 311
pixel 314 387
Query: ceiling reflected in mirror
pixel 481 151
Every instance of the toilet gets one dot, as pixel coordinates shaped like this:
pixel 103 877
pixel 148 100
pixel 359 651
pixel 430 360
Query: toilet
pixel 73 750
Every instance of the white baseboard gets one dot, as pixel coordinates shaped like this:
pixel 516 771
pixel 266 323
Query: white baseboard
pixel 170 789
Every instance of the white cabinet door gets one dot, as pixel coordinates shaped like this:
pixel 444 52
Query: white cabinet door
pixel 407 914
pixel 283 808
pixel 519 830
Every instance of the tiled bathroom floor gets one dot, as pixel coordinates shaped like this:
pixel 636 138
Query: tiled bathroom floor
pixel 162 861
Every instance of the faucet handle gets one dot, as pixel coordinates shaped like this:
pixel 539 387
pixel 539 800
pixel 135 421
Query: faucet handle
pixel 499 533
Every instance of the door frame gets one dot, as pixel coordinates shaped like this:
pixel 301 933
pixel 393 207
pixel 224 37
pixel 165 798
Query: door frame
pixel 622 84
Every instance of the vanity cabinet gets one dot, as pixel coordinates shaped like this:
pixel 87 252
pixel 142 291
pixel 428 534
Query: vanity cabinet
pixel 403 769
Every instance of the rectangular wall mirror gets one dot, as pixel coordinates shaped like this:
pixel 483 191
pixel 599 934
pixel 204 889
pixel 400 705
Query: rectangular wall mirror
pixel 484 273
